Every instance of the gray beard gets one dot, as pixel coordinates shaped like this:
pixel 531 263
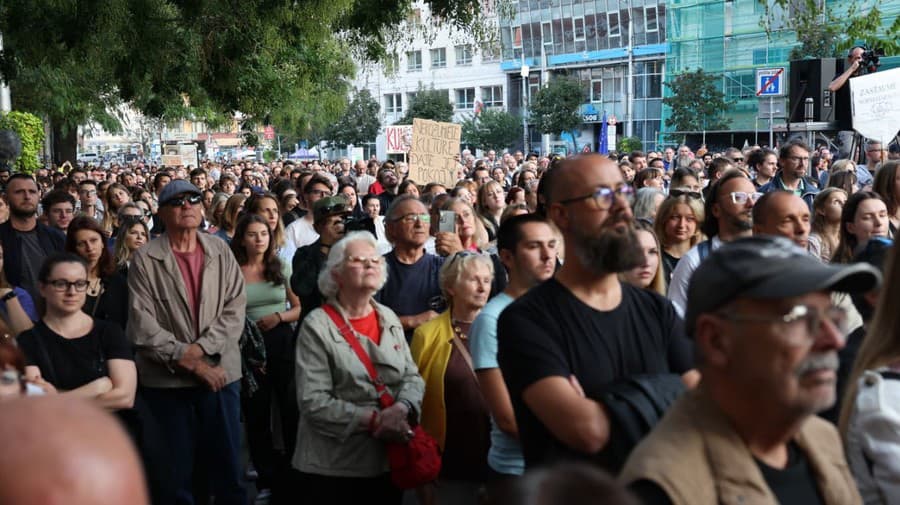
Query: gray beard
pixel 610 252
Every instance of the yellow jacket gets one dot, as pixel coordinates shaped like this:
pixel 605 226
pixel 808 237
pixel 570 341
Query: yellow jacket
pixel 431 350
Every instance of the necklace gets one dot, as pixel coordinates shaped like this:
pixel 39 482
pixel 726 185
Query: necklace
pixel 458 331
pixel 94 287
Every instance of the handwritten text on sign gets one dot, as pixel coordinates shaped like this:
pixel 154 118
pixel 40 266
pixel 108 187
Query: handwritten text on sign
pixel 876 104
pixel 399 139
pixel 431 157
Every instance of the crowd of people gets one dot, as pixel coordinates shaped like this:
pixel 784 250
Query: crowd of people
pixel 510 316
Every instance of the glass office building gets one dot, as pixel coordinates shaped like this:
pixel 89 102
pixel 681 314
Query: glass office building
pixel 589 39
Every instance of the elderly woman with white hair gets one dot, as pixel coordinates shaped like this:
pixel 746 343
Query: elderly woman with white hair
pixel 453 410
pixel 343 431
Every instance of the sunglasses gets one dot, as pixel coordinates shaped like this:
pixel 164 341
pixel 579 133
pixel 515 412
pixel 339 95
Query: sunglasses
pixel 191 199
pixel 696 195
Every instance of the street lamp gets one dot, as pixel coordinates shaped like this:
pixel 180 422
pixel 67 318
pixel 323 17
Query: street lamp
pixel 524 74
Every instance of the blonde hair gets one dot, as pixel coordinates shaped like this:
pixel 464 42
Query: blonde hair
pixel 481 236
pixel 668 207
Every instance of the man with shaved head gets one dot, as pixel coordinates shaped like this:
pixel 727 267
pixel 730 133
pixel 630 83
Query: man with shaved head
pixel 567 339
pixel 60 450
pixel 782 213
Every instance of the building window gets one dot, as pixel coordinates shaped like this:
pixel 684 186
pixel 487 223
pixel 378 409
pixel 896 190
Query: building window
pixel 464 55
pixel 393 103
pixel 546 34
pixel 517 37
pixel 596 90
pixel 465 98
pixel 413 61
pixel 492 96
pixel 439 58
pixel 579 28
pixel 391 64
pixel 651 23
pixel 490 53
pixel 614 29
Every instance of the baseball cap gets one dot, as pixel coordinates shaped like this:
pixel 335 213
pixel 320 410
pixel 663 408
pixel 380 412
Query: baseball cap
pixel 330 206
pixel 767 267
pixel 175 188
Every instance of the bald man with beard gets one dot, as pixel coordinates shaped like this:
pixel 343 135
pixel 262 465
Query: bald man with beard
pixel 65 451
pixel 564 341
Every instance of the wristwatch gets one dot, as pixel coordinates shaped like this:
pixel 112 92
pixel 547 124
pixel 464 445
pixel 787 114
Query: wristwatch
pixel 8 296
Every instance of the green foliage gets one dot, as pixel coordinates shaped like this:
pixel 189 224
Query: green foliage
pixel 697 102
pixel 269 155
pixel 492 129
pixel 824 32
pixel 359 123
pixel 429 103
pixel 30 129
pixel 628 144
pixel 556 107
pixel 74 61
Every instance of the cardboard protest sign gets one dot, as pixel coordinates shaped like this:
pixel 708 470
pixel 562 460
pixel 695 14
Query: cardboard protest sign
pixel 432 156
pixel 875 102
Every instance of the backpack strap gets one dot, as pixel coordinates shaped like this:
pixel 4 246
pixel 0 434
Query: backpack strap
pixel 384 397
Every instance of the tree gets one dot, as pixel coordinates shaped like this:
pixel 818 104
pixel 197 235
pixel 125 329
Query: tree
pixel 30 130
pixel 628 144
pixel 359 123
pixel 697 103
pixel 72 61
pixel 823 32
pixel 492 129
pixel 556 108
pixel 428 103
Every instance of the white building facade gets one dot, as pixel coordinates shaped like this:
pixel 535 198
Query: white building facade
pixel 448 61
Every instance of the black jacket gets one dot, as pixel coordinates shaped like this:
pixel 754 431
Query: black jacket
pixel 50 240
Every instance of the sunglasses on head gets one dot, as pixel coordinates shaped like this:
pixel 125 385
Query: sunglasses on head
pixel 696 195
pixel 179 201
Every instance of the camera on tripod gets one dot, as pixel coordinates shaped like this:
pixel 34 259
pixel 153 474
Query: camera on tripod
pixel 871 59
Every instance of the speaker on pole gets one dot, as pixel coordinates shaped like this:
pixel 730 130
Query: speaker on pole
pixel 810 79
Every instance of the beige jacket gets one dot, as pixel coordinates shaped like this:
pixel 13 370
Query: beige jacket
pixel 160 323
pixel 334 392
pixel 698 459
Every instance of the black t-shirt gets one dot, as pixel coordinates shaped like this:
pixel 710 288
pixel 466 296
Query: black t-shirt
pixel 549 332
pixel 796 483
pixel 71 363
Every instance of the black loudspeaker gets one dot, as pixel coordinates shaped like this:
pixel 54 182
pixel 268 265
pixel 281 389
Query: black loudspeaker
pixel 810 79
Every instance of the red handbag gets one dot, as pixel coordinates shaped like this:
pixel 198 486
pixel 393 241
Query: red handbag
pixel 415 462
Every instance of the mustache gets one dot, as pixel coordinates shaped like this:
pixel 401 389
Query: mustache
pixel 818 361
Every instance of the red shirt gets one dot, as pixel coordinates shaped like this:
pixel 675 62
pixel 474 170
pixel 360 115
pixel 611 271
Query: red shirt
pixel 191 266
pixel 368 326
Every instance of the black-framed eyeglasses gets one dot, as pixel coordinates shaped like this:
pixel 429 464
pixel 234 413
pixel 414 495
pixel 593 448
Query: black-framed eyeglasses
pixel 812 317
pixel 605 197
pixel 80 285
pixel 688 193
pixel 191 199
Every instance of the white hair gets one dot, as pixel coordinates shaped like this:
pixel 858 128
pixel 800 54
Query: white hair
pixel 454 267
pixel 335 261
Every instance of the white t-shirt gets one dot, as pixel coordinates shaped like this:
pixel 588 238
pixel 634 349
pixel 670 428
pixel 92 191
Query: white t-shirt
pixel 298 234
pixel 681 276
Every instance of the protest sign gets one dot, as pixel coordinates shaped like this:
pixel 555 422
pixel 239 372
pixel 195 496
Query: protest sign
pixel 432 156
pixel 875 101
pixel 399 138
